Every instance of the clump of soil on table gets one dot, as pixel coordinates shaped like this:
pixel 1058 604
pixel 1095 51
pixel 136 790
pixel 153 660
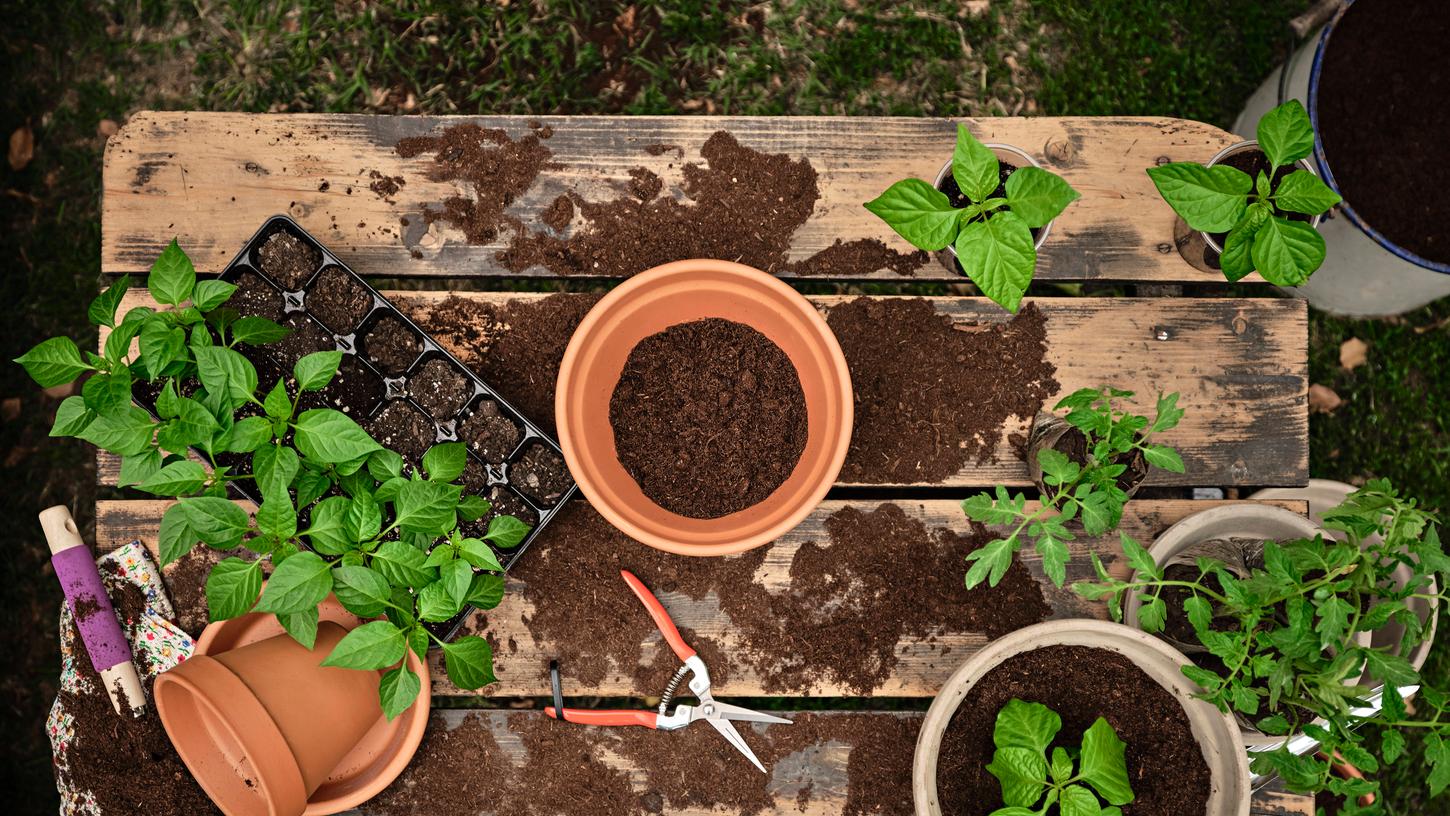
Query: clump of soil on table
pixel 254 296
pixel 846 259
pixel 516 348
pixel 402 428
pixel 338 300
pixel 458 770
pixel 1383 111
pixel 558 214
pixel 1254 162
pixel 708 417
pixel 499 169
pixel 392 345
pixel 541 475
pixel 489 433
pixel 930 394
pixel 850 603
pixel 440 388
pixel 288 259
pixel 1165 767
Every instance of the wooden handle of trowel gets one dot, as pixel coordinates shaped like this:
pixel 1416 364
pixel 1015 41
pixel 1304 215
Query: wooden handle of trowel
pixel 90 606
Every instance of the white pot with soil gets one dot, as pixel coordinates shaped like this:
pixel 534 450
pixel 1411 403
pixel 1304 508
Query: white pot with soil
pixel 1183 755
pixel 1010 159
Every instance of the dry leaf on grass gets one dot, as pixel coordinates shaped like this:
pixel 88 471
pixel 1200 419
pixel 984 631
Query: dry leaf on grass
pixel 107 128
pixel 1322 399
pixel 22 147
pixel 1352 353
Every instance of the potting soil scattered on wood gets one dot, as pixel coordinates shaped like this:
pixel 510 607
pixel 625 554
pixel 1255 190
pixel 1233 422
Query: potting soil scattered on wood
pixel 852 601
pixel 932 395
pixel 708 417
pixel 1165 766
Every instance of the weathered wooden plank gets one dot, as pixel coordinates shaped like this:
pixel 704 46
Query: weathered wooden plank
pixel 1238 364
pixel 811 770
pixel 922 662
pixel 210 179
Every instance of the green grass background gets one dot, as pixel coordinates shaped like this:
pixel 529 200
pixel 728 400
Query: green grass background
pixel 72 66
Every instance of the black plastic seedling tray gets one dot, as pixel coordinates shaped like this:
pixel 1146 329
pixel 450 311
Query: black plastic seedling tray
pixel 489 474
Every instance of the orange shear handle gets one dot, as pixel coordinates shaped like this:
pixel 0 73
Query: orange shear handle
pixel 660 616
pixel 591 716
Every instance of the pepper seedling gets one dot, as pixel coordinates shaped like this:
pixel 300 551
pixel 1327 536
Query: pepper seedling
pixel 1033 780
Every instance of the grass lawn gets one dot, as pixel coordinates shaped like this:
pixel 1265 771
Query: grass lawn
pixel 77 69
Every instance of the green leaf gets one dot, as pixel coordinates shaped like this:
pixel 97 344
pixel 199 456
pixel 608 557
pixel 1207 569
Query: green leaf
pixel 364 517
pixel 107 393
pixel 1261 184
pixel 1285 133
pixel 1022 773
pixel 1210 199
pixel 469 662
pixel 138 467
pixel 314 371
pixel 1333 624
pixel 398 690
pixel 72 417
pixel 127 432
pixel 1102 763
pixel 301 625
pixel 1027 725
pixel 436 603
pixel 473 508
pixel 301 582
pixel 445 462
pixel 1037 195
pixel 277 517
pixel 486 591
pixel 998 256
pixel 360 590
pixel 218 522
pixel 1168 413
pixel 1060 768
pixel 1138 558
pixel 211 293
pixel 1390 668
pixel 1162 456
pixel 506 531
pixel 990 562
pixel 1076 800
pixel 225 371
pixel 919 212
pixel 331 437
pixel 1392 745
pixel 427 507
pixel 247 435
pixel 402 565
pixel 1152 614
pixel 102 311
pixel 384 464
pixel 456 578
pixel 1287 252
pixel 375 645
pixel 258 331
pixel 176 537
pixel 1303 192
pixel 193 425
pixel 328 530
pixel 479 555
pixel 172 277
pixel 274 467
pixel 1056 467
pixel 232 587
pixel 277 404
pixel 1097 514
pixel 53 362
pixel 1054 558
pixel 176 479
pixel 974 166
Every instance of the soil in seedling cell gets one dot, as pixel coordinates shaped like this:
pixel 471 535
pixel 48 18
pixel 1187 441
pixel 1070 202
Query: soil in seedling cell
pixel 306 337
pixel 288 260
pixel 440 388
pixel 489 433
pixel 541 475
pixel 254 296
pixel 402 428
pixel 338 300
pixel 1165 766
pixel 932 395
pixel 960 200
pixel 391 345
pixel 504 503
pixel 709 417
pixel 354 389
pixel 1254 162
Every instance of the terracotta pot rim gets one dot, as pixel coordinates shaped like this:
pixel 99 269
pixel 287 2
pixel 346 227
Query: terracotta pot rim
pixel 588 336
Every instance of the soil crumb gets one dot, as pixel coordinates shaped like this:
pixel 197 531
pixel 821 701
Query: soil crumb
pixel 385 187
pixel 931 395
pixel 559 214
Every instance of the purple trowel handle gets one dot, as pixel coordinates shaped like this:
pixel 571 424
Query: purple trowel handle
pixel 91 607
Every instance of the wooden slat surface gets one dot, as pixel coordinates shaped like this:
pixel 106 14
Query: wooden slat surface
pixel 922 663
pixel 1238 364
pixel 210 179
pixel 812 778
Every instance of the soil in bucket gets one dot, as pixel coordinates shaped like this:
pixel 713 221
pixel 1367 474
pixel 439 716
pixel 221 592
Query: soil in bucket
pixel 1165 765
pixel 1383 110
pixel 1254 162
pixel 708 417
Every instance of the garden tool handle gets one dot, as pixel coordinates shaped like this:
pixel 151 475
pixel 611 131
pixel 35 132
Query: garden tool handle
pixel 661 617
pixel 92 612
pixel 590 716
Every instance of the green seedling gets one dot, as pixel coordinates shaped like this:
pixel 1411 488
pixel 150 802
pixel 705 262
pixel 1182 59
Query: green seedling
pixel 1078 781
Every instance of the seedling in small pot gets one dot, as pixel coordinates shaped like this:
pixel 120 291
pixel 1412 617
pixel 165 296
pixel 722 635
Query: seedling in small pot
pixel 1089 490
pixel 1258 212
pixel 339 514
pixel 1034 779
pixel 992 234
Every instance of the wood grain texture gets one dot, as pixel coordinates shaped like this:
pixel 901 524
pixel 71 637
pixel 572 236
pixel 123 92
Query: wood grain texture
pixel 210 179
pixel 812 780
pixel 1239 365
pixel 922 663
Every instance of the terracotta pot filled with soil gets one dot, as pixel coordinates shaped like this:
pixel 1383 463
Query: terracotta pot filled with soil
pixel 244 711
pixel 1052 432
pixel 1247 156
pixel 1184 757
pixel 1009 158
pixel 704 407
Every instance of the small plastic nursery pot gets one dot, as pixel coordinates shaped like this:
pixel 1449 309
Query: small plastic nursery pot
pixel 1007 154
pixel 266 730
pixel 1050 430
pixel 1239 149
pixel 681 292
pixel 1217 736
pixel 1217 533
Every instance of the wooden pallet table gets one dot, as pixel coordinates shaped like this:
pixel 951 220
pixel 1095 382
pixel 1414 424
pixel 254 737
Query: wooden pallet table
pixel 1240 365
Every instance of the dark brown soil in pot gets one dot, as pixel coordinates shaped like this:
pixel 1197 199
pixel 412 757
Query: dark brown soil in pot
pixel 541 475
pixel 392 345
pixel 1254 162
pixel 338 300
pixel 404 429
pixel 440 388
pixel 288 260
pixel 1165 764
pixel 1074 445
pixel 488 432
pixel 1383 111
pixel 708 417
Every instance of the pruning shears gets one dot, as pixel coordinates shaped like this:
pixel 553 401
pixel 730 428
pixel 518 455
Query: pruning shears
pixel 716 713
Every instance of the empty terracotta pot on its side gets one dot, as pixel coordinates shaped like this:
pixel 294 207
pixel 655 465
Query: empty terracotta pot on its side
pixel 261 726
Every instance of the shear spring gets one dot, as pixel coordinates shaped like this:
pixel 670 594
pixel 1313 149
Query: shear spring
pixel 670 687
